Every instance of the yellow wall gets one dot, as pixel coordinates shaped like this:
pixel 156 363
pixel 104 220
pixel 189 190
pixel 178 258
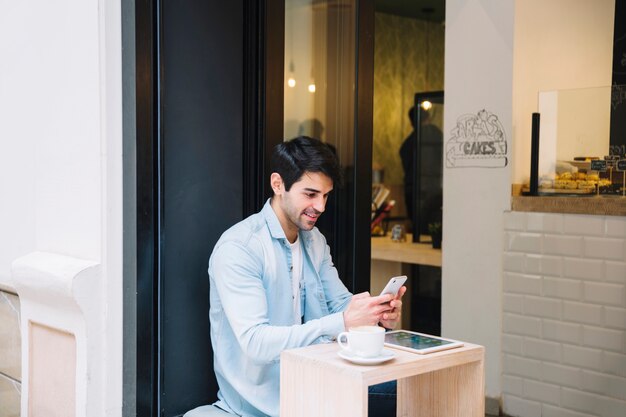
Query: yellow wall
pixel 408 58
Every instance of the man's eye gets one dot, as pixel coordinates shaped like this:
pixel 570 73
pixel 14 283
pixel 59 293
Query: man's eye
pixel 310 195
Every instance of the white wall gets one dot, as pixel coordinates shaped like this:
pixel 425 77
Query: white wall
pixel 584 122
pixel 478 75
pixel 559 44
pixel 60 158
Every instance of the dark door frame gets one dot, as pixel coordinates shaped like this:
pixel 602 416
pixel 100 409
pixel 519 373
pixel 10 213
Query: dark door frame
pixel 262 129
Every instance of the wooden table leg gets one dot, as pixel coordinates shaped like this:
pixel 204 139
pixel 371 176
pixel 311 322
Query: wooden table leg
pixel 453 392
pixel 310 390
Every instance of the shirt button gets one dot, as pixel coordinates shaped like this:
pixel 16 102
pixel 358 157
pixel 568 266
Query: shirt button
pixel 291 268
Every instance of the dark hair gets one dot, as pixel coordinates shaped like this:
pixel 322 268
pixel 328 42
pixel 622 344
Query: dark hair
pixel 293 158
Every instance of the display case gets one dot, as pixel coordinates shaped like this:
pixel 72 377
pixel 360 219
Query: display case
pixel 579 143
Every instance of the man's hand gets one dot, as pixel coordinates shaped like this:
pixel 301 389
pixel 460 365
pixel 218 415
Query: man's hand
pixel 364 310
pixel 391 318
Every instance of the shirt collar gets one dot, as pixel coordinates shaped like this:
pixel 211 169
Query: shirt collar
pixel 276 230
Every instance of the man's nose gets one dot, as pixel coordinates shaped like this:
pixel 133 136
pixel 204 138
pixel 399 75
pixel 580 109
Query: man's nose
pixel 320 204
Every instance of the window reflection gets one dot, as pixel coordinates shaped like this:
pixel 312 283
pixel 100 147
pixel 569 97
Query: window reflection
pixel 319 101
pixel 319 73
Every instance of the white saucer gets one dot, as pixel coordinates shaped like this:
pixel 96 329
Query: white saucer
pixel 384 356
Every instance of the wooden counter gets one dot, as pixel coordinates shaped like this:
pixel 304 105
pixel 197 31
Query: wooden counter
pixel 384 249
pixel 390 259
pixel 601 206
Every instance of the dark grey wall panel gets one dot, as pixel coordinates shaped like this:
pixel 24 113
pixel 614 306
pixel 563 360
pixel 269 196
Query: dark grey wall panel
pixel 201 181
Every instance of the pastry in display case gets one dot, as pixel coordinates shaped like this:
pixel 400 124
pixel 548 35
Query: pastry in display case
pixel 579 179
pixel 575 152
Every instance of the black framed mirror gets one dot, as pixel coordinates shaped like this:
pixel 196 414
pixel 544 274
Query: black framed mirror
pixel 422 160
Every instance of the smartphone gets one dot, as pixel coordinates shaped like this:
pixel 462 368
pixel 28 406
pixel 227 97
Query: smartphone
pixel 394 284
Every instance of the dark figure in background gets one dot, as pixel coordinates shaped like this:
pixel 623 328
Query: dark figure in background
pixel 312 128
pixel 430 156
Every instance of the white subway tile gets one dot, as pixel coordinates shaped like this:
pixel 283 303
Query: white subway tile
pixel 593 403
pixel 513 385
pixel 609 385
pixel 580 400
pixel 524 242
pixel 542 307
pixel 615 271
pixel 544 223
pixel 513 303
pixel 606 294
pixel 562 332
pixel 568 376
pixel 540 391
pixel 514 220
pixel 553 411
pixel 582 313
pixel 520 325
pixel 522 284
pixel 615 227
pixel 516 406
pixel 606 339
pixel 551 265
pixel 533 264
pixel 583 225
pixel 563 245
pixel 513 262
pixel 562 288
pixel 506 240
pixel 612 408
pixel 604 248
pixel 542 350
pixel 614 363
pixel 583 357
pixel 514 365
pixel 587 269
pixel 615 317
pixel 512 344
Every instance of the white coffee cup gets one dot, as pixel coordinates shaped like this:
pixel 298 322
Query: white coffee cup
pixel 363 341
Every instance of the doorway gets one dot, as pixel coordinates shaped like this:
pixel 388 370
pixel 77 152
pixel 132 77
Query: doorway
pixel 209 110
pixel 408 65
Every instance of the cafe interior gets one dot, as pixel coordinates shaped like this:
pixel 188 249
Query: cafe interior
pixel 483 147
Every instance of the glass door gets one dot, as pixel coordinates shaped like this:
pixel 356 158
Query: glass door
pixel 320 100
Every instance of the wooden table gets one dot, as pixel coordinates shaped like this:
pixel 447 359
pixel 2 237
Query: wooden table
pixel 314 381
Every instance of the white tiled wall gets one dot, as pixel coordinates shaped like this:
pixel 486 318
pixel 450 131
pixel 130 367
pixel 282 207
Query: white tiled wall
pixel 564 315
pixel 10 355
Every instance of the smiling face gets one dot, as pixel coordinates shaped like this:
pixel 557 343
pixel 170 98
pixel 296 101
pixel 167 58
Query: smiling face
pixel 300 207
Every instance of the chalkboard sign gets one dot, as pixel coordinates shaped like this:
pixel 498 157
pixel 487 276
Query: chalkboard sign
pixel 598 165
pixel 621 165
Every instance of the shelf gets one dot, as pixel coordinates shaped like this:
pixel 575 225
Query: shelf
pixel 384 249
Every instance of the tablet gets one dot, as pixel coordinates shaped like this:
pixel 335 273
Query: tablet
pixel 418 342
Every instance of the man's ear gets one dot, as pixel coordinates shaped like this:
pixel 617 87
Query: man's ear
pixel 277 184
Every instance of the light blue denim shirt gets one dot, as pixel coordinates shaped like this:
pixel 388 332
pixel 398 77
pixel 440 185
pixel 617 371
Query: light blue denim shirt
pixel 251 309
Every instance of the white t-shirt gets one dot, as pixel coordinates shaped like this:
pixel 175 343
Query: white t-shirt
pixel 296 275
